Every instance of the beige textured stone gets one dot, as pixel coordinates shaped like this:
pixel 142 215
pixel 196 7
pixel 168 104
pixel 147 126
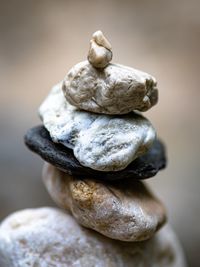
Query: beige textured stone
pixel 101 40
pixel 47 237
pixel 100 53
pixel 124 211
pixel 116 89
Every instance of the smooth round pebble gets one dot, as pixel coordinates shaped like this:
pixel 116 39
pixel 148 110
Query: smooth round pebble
pixel 100 52
pixel 47 237
pixel 125 211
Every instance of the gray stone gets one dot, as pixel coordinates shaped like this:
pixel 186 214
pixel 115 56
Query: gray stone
pixel 101 142
pixel 116 89
pixel 125 211
pixel 48 237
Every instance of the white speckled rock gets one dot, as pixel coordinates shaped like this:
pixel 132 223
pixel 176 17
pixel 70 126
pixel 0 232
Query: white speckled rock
pixel 47 237
pixel 124 211
pixel 116 89
pixel 100 53
pixel 101 142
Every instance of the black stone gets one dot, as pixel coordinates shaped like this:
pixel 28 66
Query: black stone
pixel 146 166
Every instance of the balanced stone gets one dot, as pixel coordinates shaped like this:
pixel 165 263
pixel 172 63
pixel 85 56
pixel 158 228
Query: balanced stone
pixel 124 211
pixel 49 237
pixel 116 89
pixel 100 53
pixel 39 141
pixel 101 142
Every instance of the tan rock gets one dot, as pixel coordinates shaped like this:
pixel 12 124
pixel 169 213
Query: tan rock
pixel 124 211
pixel 100 53
pixel 101 40
pixel 47 237
pixel 116 89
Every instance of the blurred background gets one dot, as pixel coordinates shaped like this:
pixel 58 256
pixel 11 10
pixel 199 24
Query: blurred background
pixel 41 40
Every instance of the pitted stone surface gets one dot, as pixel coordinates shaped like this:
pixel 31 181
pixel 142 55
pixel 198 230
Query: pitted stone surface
pixel 101 142
pixel 116 89
pixel 49 237
pixel 39 141
pixel 124 211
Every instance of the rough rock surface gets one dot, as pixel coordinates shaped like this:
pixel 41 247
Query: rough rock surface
pixel 48 237
pixel 116 89
pixel 39 141
pixel 100 52
pixel 124 211
pixel 101 142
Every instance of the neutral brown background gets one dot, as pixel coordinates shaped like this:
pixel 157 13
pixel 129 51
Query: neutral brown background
pixel 41 40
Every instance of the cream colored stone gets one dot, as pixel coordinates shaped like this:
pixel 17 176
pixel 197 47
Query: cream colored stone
pixel 116 89
pixel 101 142
pixel 48 237
pixel 124 211
pixel 100 53
pixel 101 40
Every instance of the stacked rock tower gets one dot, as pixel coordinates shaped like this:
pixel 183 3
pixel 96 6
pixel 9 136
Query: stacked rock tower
pixel 97 147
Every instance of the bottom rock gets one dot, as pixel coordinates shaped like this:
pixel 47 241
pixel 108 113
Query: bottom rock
pixel 47 237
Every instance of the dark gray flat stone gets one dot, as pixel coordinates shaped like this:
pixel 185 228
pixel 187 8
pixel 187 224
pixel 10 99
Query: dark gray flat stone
pixel 146 166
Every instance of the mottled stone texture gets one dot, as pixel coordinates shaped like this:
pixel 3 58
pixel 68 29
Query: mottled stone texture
pixel 116 89
pixel 48 237
pixel 124 211
pixel 39 141
pixel 101 142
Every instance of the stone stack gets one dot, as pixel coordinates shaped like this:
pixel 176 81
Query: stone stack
pixel 97 148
